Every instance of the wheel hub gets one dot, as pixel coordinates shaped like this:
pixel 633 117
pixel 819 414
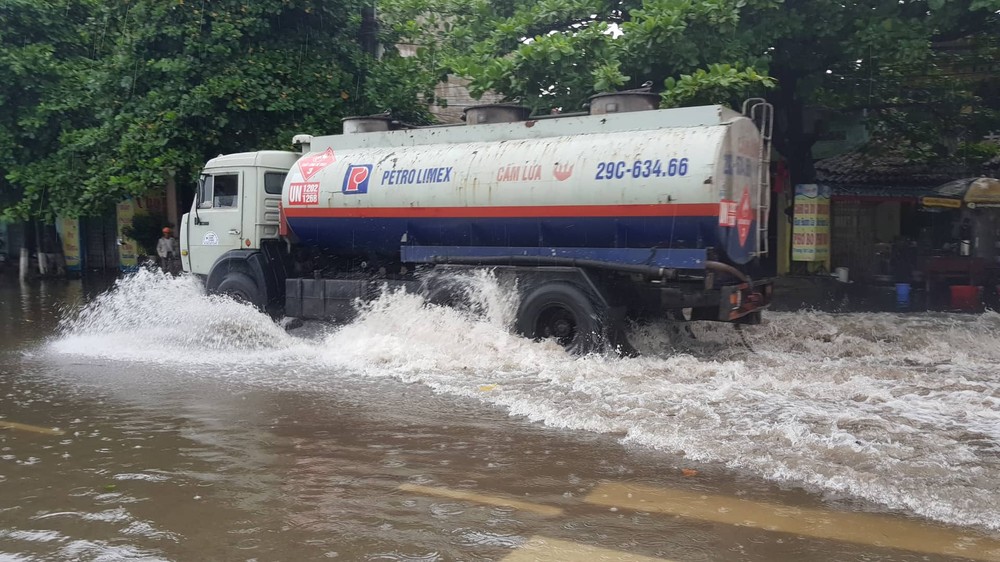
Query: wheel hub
pixel 562 328
pixel 557 323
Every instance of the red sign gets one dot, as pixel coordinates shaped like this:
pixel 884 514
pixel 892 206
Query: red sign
pixel 356 180
pixel 727 212
pixel 300 193
pixel 312 164
pixel 744 217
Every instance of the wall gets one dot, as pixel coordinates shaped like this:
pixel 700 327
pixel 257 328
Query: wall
pixel 887 221
pixel 853 238
pixel 454 90
pixel 100 242
pixel 862 236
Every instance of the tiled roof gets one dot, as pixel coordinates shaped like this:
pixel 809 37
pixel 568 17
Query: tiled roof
pixel 889 172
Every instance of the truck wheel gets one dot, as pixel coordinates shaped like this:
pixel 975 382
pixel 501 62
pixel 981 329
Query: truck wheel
pixel 563 312
pixel 453 296
pixel 447 295
pixel 240 287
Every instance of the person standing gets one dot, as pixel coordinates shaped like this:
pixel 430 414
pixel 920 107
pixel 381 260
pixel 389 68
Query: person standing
pixel 167 250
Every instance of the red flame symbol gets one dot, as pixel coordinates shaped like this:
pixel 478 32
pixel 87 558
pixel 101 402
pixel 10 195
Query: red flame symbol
pixel 562 173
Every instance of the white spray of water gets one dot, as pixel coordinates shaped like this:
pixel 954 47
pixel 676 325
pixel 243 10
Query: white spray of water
pixel 903 410
pixel 152 316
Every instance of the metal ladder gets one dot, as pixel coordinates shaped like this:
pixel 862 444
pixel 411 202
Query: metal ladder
pixel 762 114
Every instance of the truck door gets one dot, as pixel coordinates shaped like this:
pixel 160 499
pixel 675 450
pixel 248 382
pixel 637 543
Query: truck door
pixel 216 218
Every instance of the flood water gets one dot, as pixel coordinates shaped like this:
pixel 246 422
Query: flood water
pixel 151 422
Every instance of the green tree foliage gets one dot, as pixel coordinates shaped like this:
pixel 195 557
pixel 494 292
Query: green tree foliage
pixel 556 53
pixel 111 97
pixel 892 59
pixel 882 55
pixel 43 63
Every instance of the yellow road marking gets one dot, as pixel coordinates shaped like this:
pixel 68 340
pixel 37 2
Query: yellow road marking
pixel 33 428
pixel 860 528
pixel 545 549
pixel 547 511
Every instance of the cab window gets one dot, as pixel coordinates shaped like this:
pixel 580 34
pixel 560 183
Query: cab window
pixel 273 181
pixel 219 191
pixel 226 191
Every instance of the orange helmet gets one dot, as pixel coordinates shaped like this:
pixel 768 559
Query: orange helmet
pixel 166 230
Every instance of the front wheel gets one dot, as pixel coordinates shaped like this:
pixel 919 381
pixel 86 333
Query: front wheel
pixel 562 312
pixel 240 287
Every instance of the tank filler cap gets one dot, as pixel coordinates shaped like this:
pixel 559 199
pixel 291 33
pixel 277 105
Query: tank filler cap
pixel 304 142
pixel 368 123
pixel 495 113
pixel 623 102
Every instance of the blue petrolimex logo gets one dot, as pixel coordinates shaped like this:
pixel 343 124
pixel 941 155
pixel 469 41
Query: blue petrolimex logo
pixel 356 178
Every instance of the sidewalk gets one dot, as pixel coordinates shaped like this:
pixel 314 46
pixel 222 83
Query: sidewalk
pixel 829 295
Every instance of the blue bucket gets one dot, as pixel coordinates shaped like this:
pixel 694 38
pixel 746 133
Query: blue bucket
pixel 903 295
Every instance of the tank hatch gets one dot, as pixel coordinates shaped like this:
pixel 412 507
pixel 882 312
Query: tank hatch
pixel 623 102
pixel 495 113
pixel 368 124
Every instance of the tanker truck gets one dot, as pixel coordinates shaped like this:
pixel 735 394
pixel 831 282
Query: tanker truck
pixel 625 213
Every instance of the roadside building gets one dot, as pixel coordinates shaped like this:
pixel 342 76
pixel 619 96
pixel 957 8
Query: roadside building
pixel 932 227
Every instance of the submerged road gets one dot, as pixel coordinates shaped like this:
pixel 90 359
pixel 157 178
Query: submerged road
pixel 158 424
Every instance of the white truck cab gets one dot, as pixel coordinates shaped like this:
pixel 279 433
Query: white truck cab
pixel 236 207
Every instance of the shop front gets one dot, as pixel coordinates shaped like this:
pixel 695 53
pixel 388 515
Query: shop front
pixel 957 259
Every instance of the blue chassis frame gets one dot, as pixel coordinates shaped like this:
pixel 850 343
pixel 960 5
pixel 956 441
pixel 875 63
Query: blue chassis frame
pixel 657 257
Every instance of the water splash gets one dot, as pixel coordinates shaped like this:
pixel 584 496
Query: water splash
pixel 902 410
pixel 153 316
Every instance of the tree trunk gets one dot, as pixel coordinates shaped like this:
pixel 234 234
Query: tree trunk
pixel 57 257
pixel 23 263
pixel 40 250
pixel 792 140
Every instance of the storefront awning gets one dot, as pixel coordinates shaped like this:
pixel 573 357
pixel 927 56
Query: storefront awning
pixel 879 192
pixel 973 192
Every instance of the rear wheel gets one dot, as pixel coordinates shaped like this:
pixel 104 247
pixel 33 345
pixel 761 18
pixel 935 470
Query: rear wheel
pixel 240 287
pixel 452 295
pixel 562 312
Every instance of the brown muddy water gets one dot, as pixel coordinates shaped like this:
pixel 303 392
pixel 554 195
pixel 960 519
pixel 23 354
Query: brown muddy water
pixel 151 422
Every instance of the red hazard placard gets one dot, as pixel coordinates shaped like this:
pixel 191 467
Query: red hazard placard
pixel 744 217
pixel 727 212
pixel 303 193
pixel 312 164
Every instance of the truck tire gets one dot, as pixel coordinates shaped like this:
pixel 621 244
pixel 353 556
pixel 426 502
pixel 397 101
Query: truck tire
pixel 240 287
pixel 453 296
pixel 561 311
pixel 441 295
